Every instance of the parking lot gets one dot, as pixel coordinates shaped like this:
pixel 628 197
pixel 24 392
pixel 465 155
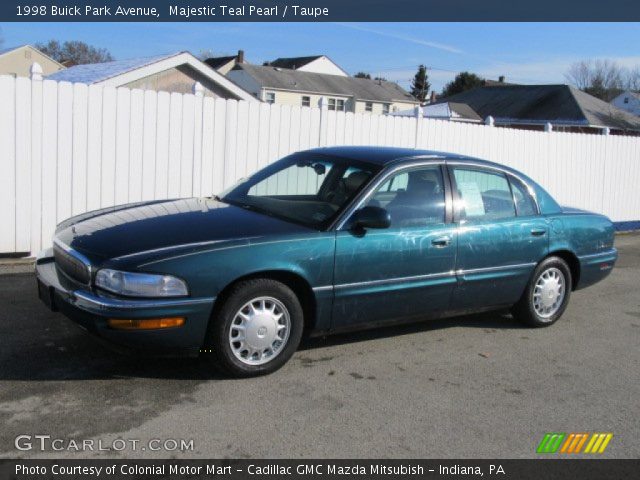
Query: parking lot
pixel 476 386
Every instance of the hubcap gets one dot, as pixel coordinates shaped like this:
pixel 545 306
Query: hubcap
pixel 549 292
pixel 259 331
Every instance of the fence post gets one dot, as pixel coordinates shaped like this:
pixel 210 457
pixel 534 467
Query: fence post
pixel 418 115
pixel 36 161
pixel 489 121
pixel 35 71
pixel 198 89
pixel 323 103
pixel 548 127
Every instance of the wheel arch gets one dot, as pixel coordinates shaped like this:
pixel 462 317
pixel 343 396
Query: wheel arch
pixel 573 262
pixel 293 280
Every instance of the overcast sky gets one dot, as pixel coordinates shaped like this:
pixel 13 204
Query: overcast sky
pixel 523 52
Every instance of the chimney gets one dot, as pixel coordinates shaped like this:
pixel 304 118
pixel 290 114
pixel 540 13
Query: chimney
pixel 501 78
pixel 240 58
pixel 434 97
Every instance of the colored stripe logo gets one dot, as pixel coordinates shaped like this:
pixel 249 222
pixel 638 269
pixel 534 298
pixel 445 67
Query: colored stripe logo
pixel 555 442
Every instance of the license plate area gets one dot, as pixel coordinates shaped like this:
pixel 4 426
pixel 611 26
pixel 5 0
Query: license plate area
pixel 46 295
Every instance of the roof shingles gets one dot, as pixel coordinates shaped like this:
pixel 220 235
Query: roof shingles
pixel 309 82
pixel 98 72
pixel 559 104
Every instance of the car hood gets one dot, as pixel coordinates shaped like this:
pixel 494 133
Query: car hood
pixel 166 226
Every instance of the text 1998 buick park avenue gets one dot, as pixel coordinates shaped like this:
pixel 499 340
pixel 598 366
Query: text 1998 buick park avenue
pixel 322 241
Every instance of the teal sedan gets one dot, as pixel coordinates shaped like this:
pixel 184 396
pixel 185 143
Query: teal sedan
pixel 322 241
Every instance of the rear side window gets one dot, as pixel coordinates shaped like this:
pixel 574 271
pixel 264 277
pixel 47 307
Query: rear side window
pixel 484 195
pixel 525 205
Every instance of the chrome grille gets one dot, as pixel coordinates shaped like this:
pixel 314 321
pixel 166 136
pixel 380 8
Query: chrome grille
pixel 71 266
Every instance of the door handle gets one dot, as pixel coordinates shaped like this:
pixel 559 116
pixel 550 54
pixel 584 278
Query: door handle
pixel 441 241
pixel 538 232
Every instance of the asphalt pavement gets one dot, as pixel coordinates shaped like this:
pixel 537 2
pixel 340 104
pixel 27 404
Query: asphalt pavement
pixel 478 386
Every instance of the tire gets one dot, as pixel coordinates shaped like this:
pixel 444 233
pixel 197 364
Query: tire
pixel 543 310
pixel 266 318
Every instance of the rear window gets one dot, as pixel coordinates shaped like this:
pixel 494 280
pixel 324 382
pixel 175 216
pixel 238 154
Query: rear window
pixel 484 195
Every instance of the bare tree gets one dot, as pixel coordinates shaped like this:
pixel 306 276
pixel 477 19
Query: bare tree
pixel 579 74
pixel 633 79
pixel 76 52
pixel 600 78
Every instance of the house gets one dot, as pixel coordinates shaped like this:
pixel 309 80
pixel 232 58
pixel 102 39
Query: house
pixel 314 63
pixel 532 107
pixel 17 61
pixel 451 111
pixel 176 72
pixel 223 65
pixel 342 93
pixel 628 101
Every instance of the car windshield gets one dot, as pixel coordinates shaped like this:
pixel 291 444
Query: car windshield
pixel 305 188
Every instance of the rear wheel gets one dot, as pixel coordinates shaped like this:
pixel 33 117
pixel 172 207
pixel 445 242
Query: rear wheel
pixel 257 328
pixel 547 294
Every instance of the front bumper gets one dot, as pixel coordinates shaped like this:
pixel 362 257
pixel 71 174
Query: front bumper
pixel 91 310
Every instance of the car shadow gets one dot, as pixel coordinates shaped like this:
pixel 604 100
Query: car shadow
pixel 38 345
pixel 64 352
pixel 488 320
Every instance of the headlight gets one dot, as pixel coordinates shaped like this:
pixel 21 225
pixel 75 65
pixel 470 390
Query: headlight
pixel 140 284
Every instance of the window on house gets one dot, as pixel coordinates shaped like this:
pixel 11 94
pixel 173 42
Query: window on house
pixel 340 105
pixel 385 108
pixel 270 97
pixel 332 104
pixel 306 101
pixel 368 107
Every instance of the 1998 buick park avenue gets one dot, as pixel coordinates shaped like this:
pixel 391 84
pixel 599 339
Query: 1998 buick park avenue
pixel 322 241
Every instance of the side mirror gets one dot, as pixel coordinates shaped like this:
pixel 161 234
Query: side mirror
pixel 371 217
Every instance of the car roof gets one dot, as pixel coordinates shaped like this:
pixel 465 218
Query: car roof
pixel 386 155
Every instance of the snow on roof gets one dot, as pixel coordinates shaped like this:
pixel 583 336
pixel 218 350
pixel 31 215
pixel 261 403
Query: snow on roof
pixel 98 72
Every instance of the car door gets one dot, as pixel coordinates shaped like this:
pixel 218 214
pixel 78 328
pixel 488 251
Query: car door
pixel 501 236
pixel 405 270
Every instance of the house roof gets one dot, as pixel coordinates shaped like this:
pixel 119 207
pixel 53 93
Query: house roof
pixel 217 62
pixel 11 49
pixel 629 93
pixel 447 110
pixel 121 72
pixel 557 104
pixel 99 72
pixel 322 83
pixel 294 62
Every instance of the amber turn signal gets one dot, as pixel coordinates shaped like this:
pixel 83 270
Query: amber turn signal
pixel 146 324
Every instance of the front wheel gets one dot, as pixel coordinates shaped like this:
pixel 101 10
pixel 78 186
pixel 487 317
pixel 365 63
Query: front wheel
pixel 257 328
pixel 547 294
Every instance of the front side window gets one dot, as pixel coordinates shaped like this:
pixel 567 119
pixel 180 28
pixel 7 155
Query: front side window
pixel 340 105
pixel 332 104
pixel 525 205
pixel 413 198
pixel 306 101
pixel 385 108
pixel 270 97
pixel 483 195
pixel 368 107
pixel 305 188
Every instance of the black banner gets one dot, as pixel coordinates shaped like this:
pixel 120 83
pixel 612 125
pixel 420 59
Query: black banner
pixel 316 10
pixel 583 469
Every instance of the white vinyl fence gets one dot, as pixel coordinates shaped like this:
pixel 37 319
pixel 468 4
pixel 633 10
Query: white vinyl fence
pixel 67 148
